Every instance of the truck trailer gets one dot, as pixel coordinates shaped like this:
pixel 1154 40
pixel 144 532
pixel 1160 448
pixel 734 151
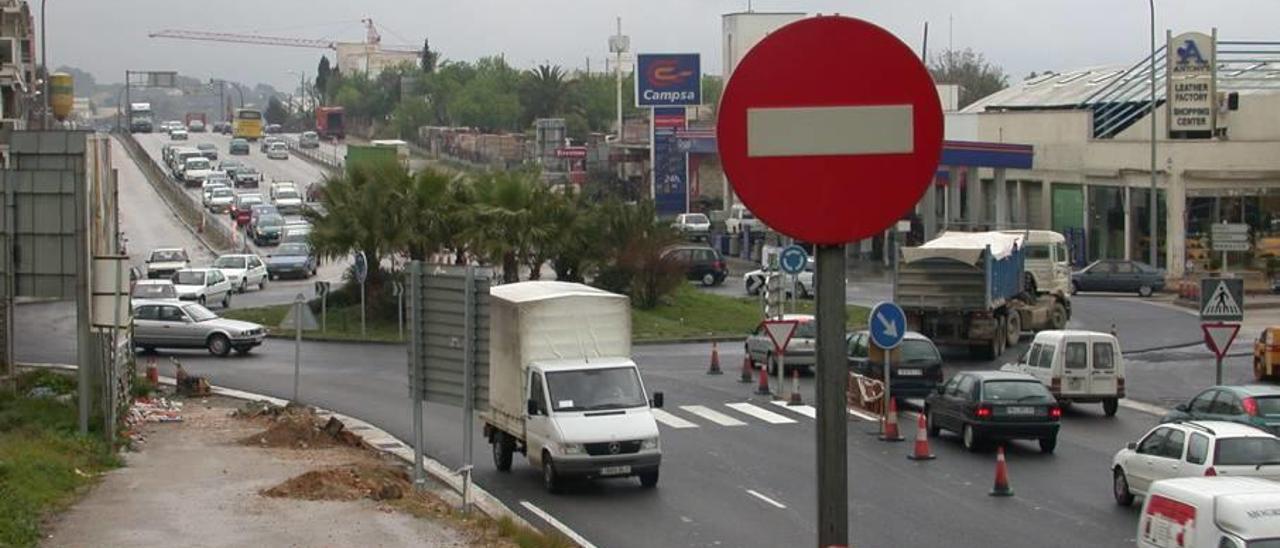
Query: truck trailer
pixel 970 289
pixel 330 122
pixel 563 389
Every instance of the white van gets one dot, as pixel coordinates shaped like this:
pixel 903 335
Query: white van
pixel 1047 264
pixel 1077 366
pixel 1215 512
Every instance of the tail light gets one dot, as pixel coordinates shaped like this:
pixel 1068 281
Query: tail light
pixel 1210 472
pixel 1055 413
pixel 718 265
pixel 1120 383
pixel 1250 407
pixel 982 412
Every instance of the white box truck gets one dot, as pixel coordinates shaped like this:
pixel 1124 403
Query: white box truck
pixel 563 389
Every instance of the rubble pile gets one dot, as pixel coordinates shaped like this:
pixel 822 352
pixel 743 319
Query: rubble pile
pixel 295 427
pixel 347 482
pixel 145 410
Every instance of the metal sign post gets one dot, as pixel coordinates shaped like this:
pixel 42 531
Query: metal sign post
pixel 888 324
pixel 298 303
pixel 361 268
pixel 468 383
pixel 322 289
pixel 780 332
pixel 415 372
pixel 398 288
pixel 1218 337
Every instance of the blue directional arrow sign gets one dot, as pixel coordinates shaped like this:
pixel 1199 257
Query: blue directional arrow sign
pixel 888 325
pixel 792 260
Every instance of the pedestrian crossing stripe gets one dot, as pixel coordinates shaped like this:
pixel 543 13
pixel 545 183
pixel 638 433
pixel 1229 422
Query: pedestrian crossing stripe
pixel 713 416
pixel 759 413
pixel 671 420
pixel 1221 303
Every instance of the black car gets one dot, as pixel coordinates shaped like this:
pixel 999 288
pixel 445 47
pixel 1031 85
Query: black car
pixel 268 229
pixel 994 405
pixel 700 263
pixel 292 259
pixel 914 372
pixel 1118 276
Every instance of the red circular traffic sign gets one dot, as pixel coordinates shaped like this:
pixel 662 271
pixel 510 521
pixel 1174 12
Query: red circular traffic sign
pixel 830 129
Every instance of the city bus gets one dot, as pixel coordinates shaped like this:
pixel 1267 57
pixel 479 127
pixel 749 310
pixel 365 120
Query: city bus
pixel 247 124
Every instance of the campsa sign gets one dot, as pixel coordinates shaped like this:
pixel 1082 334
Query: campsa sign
pixel 1192 106
pixel 668 79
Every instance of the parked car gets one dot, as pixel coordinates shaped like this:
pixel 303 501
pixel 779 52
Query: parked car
pixel 1256 405
pixel 753 282
pixel 241 205
pixel 915 370
pixel 286 199
pixel 1266 354
pixel 209 150
pixel 699 262
pixel 161 324
pixel 1210 512
pixel 985 406
pixel 800 352
pixel 248 176
pixel 268 229
pixel 292 259
pixel 203 285
pixel 242 271
pixel 153 290
pixel 1193 449
pixel 694 226
pixel 1118 276
pixel 178 135
pixel 739 218
pixel 1077 366
pixel 278 151
pixel 309 139
pixel 163 262
pixel 220 199
pixel 238 146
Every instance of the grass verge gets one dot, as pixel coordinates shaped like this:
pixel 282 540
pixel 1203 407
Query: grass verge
pixel 43 461
pixel 343 323
pixel 691 313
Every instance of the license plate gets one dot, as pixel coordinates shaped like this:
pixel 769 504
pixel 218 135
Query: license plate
pixel 615 470
pixel 910 372
pixel 1020 410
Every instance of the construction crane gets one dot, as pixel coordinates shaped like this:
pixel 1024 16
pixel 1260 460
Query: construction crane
pixel 371 38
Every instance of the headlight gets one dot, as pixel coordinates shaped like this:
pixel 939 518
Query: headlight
pixel 572 448
pixel 651 443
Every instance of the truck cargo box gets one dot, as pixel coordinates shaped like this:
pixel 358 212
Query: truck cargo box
pixel 963 271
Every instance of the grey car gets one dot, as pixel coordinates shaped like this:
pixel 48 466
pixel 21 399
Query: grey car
pixel 1120 276
pixel 161 324
pixel 799 353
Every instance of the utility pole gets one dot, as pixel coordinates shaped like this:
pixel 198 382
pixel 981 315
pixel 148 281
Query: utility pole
pixel 618 45
pixel 1151 110
pixel 44 65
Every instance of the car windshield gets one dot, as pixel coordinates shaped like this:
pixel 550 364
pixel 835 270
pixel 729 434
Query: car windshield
pixel 293 250
pixel 1252 450
pixel 223 192
pixel 250 199
pixel 197 164
pixel 271 220
pixel 168 256
pixel 915 350
pixel 593 389
pixel 239 142
pixel 199 313
pixel 277 146
pixel 189 278
pixel 696 218
pixel 247 170
pixel 229 262
pixel 1000 391
pixel 153 291
pixel 806 330
pixel 286 194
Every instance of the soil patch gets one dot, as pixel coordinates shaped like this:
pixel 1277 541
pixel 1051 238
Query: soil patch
pixel 346 482
pixel 298 428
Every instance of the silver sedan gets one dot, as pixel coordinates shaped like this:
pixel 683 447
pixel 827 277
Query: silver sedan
pixel 161 324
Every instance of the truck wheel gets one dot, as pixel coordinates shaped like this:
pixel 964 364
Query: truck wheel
pixel 649 480
pixel 1059 317
pixel 1110 405
pixel 502 450
pixel 1013 329
pixel 550 479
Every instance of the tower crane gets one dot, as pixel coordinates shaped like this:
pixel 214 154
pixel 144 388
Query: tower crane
pixel 371 38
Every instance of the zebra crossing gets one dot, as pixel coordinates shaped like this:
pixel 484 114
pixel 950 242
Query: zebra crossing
pixel 739 414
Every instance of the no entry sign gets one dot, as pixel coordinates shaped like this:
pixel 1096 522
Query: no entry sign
pixel 830 129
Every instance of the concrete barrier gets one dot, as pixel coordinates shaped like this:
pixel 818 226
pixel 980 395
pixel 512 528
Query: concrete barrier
pixel 215 235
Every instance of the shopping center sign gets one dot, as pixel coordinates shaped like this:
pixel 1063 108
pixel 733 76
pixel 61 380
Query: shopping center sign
pixel 1191 76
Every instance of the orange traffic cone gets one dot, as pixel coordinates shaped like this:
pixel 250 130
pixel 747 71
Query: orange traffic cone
pixel 153 372
pixel 746 370
pixel 715 360
pixel 763 388
pixel 922 441
pixel 1001 488
pixel 889 430
pixel 795 388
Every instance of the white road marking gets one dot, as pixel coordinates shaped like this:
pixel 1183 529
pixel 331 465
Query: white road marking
pixel 864 415
pixel 762 414
pixel 775 503
pixel 1143 407
pixel 671 420
pixel 573 535
pixel 822 131
pixel 806 410
pixel 713 416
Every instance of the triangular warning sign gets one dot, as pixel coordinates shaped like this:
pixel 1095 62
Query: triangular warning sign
pixel 780 332
pixel 1218 337
pixel 1221 303
pixel 308 319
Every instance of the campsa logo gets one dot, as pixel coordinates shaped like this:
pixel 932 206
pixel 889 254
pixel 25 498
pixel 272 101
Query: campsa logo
pixel 1190 52
pixel 663 74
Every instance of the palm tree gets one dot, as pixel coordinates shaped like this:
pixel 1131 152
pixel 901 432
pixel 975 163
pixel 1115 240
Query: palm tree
pixel 429 213
pixel 362 212
pixel 545 92
pixel 572 224
pixel 511 220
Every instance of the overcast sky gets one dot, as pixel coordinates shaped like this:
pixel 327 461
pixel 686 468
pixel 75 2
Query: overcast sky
pixel 107 37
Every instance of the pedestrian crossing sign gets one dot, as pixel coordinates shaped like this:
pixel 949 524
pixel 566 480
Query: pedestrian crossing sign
pixel 1221 300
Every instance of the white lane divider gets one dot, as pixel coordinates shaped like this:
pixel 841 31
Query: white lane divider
pixel 772 502
pixel 573 535
pixel 671 420
pixel 863 415
pixel 759 413
pixel 713 416
pixel 806 410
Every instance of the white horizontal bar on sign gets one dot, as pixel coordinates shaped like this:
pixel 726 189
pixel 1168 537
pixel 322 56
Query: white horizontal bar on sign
pixel 825 131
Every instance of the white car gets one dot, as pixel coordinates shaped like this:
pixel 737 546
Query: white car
pixel 800 350
pixel 692 225
pixel 278 151
pixel 740 218
pixel 154 290
pixel 178 134
pixel 219 199
pixel 163 262
pixel 1211 513
pixel 207 188
pixel 1191 449
pixel 243 271
pixel 203 285
pixel 753 282
pixel 194 170
pixel 286 199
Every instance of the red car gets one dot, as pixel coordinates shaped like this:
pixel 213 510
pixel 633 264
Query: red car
pixel 243 206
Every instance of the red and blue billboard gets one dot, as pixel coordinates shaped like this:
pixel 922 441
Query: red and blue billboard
pixel 670 163
pixel 668 79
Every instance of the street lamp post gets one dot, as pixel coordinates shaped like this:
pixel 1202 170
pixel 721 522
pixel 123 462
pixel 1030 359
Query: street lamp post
pixel 44 64
pixel 1152 208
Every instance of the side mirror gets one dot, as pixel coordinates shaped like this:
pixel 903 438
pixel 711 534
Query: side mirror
pixel 657 401
pixel 531 407
pixel 1132 445
pixel 1181 407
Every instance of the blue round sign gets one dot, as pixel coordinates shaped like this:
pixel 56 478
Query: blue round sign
pixel 361 266
pixel 793 259
pixel 887 324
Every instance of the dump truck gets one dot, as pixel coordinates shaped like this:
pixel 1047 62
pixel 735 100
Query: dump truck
pixel 971 289
pixel 563 389
pixel 330 122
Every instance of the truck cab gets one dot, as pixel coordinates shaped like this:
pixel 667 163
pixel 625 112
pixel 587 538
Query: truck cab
pixel 1047 264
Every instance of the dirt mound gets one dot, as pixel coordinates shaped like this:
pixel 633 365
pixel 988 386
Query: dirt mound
pixel 347 482
pixel 302 429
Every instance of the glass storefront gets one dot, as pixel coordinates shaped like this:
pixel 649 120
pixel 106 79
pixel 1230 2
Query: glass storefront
pixel 1106 222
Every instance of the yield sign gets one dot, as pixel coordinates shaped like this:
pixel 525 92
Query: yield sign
pixel 1219 336
pixel 780 332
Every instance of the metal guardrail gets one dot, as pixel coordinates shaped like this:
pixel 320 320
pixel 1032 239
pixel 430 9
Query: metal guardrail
pixel 330 161
pixel 212 233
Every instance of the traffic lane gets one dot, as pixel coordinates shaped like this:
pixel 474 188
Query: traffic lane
pixel 294 169
pixel 145 219
pixel 1140 324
